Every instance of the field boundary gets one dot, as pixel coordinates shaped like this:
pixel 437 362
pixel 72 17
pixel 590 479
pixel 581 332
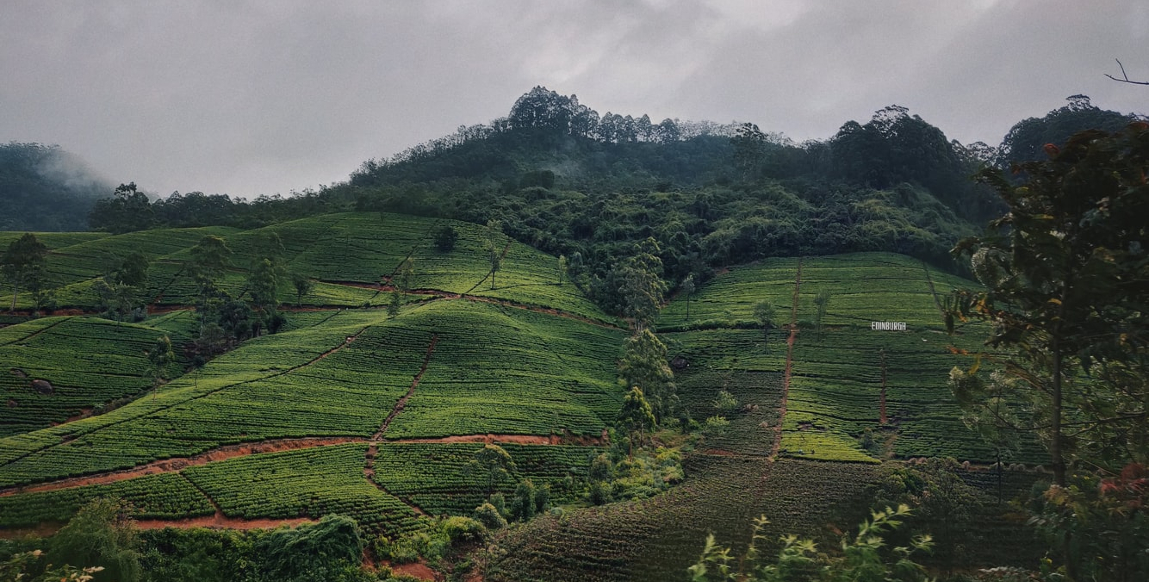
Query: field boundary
pixel 777 446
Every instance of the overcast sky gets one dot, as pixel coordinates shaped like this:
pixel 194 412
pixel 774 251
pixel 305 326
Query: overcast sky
pixel 252 98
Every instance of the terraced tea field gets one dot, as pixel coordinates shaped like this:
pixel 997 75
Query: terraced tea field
pixel 363 249
pixel 58 367
pixel 342 377
pixel 348 410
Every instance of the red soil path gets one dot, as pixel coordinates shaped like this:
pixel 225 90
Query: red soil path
pixel 369 465
pixel 220 521
pixel 777 446
pixel 179 464
pixel 277 445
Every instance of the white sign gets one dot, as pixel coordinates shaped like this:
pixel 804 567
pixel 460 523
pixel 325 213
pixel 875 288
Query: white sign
pixel 888 325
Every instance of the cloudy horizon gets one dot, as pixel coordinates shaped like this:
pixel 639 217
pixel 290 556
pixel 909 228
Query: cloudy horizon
pixel 251 98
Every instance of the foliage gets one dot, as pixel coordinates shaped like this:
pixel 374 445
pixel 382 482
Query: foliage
pixel 941 501
pixel 325 550
pixel 120 289
pixel 303 285
pixel 493 463
pixel 1064 279
pixel 23 263
pixel 127 210
pixel 1026 140
pixel 488 515
pixel 493 245
pixel 445 238
pixel 1104 521
pixel 99 535
pixel 764 313
pixel 210 257
pixel 821 304
pixel 642 288
pixel 687 289
pixel 159 358
pixel 863 558
pixel 725 402
pixel 644 365
pixel 20 567
pixel 635 417
pixel 44 188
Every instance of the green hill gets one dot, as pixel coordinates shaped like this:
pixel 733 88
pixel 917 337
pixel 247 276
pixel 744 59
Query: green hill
pixel 349 409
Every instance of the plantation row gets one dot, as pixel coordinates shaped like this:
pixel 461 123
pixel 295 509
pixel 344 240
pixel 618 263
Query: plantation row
pixel 319 481
pixel 53 240
pixel 495 370
pixel 162 496
pixel 305 483
pixel 440 480
pixel 169 425
pixel 86 362
pixel 366 248
pixel 658 538
pixel 502 370
pixel 863 287
pixel 835 395
pixel 728 300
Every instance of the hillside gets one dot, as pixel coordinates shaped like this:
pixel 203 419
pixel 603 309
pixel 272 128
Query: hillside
pixel 44 188
pixel 353 411
pixel 438 345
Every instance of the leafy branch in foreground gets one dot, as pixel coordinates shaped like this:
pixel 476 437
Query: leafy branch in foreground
pixel 864 557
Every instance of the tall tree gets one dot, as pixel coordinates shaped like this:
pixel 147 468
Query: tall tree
pixel 303 286
pixel 1066 275
pixel 158 359
pixel 127 210
pixel 263 285
pixel 764 312
pixel 821 304
pixel 642 288
pixel 644 365
pixel 493 243
pixel 492 462
pixel 688 292
pixel 122 286
pixel 24 263
pixel 210 258
pixel 636 416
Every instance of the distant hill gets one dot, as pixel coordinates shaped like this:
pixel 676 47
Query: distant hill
pixel 44 188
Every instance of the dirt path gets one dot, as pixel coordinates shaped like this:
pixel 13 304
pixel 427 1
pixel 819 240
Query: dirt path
pixel 373 449
pixel 933 292
pixel 179 464
pixel 777 446
pixel 279 445
pixel 402 403
pixel 220 521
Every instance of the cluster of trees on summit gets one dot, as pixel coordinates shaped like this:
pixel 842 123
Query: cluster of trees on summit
pixel 561 177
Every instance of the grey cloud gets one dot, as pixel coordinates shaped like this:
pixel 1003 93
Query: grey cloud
pixel 264 97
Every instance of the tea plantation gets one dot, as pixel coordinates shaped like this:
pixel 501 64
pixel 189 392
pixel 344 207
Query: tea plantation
pixel 353 410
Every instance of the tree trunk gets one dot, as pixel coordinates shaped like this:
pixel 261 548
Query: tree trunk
pixel 15 292
pixel 1055 422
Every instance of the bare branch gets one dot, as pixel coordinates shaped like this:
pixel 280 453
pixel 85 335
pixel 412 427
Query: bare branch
pixel 1126 77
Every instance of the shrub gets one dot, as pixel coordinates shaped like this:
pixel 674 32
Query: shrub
pixel 445 238
pixel 488 515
